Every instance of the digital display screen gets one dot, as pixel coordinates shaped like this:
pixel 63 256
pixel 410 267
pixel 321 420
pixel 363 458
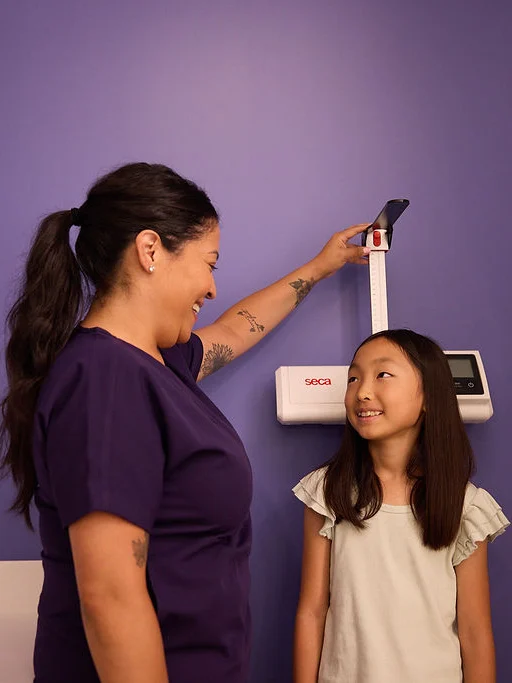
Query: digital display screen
pixel 461 367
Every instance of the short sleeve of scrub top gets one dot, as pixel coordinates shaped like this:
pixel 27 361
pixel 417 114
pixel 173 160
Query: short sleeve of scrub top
pixel 102 451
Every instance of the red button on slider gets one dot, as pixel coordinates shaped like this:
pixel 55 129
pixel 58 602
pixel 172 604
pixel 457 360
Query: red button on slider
pixel 376 238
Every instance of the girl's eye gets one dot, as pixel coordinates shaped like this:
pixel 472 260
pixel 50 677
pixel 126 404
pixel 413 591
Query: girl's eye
pixel 382 374
pixel 351 380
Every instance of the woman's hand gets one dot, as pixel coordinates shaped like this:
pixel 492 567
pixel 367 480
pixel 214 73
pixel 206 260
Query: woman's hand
pixel 339 251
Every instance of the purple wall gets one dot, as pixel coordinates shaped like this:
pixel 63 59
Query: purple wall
pixel 299 119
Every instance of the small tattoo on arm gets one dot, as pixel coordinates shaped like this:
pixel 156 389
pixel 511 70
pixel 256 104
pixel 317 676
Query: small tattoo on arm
pixel 140 550
pixel 255 326
pixel 216 358
pixel 302 288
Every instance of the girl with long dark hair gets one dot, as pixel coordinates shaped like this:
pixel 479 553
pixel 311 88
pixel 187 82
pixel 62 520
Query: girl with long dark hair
pixel 394 582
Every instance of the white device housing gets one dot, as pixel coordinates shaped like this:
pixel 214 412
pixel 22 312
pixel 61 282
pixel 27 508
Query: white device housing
pixel 315 394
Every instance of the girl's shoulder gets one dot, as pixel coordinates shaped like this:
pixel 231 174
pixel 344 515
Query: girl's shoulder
pixel 313 481
pixel 482 520
pixel 310 490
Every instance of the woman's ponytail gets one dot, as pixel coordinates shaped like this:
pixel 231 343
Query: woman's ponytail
pixel 58 285
pixel 40 323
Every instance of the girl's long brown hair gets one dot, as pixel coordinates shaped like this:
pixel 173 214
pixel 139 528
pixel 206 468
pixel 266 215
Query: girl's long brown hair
pixel 440 467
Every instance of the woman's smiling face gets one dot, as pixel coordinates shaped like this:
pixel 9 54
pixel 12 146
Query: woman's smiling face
pixel 183 282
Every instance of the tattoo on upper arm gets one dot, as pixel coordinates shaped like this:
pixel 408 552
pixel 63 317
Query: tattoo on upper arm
pixel 140 550
pixel 255 326
pixel 216 358
pixel 303 288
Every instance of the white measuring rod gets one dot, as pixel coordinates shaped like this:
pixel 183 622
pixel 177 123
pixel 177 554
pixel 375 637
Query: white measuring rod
pixel 377 241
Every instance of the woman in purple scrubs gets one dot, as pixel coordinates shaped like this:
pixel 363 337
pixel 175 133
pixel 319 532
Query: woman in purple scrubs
pixel 142 486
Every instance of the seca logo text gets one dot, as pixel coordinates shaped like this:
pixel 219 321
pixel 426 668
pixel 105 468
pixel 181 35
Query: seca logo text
pixel 321 380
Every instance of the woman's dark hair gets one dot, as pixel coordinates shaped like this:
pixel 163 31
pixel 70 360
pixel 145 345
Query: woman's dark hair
pixel 440 467
pixel 57 286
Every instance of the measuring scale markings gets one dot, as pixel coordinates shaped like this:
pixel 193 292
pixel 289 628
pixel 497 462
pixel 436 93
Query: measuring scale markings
pixel 378 293
pixel 378 243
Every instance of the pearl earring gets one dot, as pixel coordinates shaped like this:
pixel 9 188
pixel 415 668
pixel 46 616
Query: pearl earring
pixel 151 268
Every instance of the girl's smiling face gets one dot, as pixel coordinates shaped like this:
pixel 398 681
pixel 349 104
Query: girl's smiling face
pixel 384 397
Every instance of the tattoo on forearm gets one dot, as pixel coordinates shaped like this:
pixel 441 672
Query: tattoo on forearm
pixel 216 358
pixel 255 326
pixel 303 288
pixel 140 550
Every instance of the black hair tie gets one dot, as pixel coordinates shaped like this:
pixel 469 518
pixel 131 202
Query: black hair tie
pixel 75 217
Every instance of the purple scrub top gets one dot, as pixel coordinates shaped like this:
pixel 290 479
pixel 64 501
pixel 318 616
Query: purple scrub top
pixel 117 431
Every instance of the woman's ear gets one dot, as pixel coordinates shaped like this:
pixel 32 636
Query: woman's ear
pixel 148 246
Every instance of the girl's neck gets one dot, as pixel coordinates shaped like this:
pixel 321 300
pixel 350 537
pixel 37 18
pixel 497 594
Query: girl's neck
pixel 390 460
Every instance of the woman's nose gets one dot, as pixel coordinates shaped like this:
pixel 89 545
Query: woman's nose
pixel 213 291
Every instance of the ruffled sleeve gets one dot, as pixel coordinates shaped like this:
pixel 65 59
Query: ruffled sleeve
pixel 482 519
pixel 310 490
